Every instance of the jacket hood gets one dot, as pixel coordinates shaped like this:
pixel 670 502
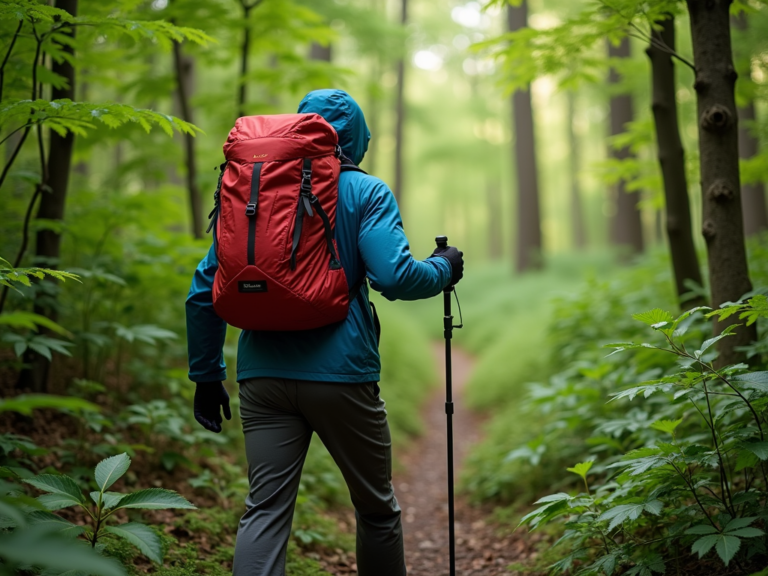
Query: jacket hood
pixel 342 112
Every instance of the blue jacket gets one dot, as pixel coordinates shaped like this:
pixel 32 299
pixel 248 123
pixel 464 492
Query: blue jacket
pixel 371 241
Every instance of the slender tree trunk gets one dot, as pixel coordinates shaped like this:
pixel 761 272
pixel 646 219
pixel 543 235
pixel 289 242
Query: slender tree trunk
pixel 320 52
pixel 400 114
pixel 528 248
pixel 493 192
pixel 245 52
pixel 685 262
pixel 719 165
pixel 578 229
pixel 52 204
pixel 626 227
pixel 184 70
pixel 752 195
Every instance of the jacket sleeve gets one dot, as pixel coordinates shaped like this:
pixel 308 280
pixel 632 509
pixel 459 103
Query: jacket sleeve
pixel 391 268
pixel 205 330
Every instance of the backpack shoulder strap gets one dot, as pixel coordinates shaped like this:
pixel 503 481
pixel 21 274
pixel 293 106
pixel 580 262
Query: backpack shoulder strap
pixel 348 166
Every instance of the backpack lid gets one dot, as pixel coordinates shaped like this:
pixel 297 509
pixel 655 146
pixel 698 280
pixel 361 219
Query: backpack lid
pixel 280 137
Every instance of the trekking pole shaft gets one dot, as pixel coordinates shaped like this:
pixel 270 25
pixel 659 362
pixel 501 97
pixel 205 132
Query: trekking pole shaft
pixel 442 242
pixel 449 428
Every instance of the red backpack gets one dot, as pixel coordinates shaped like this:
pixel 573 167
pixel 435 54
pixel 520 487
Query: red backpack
pixel 274 223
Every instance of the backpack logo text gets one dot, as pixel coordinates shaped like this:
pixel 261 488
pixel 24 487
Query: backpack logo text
pixel 252 286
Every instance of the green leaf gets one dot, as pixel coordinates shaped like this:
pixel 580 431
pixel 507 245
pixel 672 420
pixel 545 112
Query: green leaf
pixel 704 544
pixel 746 532
pixel 61 485
pixel 25 403
pixel 737 523
pixel 702 529
pixel 108 499
pixel 654 317
pixel 108 471
pixel 141 536
pixel 581 468
pixel 30 321
pixel 57 523
pixel 759 449
pixel 726 547
pixel 667 426
pixel 756 380
pixel 48 549
pixel 155 499
pixel 57 501
pixel 618 514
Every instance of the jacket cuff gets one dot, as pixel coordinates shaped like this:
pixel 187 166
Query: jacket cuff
pixel 219 376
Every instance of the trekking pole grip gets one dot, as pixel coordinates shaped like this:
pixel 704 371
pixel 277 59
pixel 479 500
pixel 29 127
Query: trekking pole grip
pixel 442 242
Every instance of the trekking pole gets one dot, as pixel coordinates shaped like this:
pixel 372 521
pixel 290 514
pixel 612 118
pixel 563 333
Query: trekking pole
pixel 442 242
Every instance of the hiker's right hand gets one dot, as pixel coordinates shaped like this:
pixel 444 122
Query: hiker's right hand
pixel 210 398
pixel 455 258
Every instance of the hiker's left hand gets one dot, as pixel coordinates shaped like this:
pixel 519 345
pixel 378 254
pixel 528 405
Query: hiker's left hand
pixel 209 398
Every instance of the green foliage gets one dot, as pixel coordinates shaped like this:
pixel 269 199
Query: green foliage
pixel 63 492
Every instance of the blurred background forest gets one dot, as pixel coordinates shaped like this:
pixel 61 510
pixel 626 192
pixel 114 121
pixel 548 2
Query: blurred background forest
pixel 556 142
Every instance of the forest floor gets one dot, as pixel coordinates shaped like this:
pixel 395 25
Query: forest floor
pixel 482 545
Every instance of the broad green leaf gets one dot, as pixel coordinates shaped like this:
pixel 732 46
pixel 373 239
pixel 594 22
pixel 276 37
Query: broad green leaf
pixel 654 317
pixel 667 426
pixel 48 549
pixel 30 321
pixel 746 532
pixel 25 403
pixel 62 485
pixel 560 496
pixel 108 471
pixel 755 380
pixel 108 499
pixel 155 499
pixel 746 459
pixel 619 514
pixel 726 547
pixel 57 501
pixel 581 468
pixel 759 449
pixel 737 523
pixel 57 523
pixel 704 544
pixel 702 529
pixel 141 536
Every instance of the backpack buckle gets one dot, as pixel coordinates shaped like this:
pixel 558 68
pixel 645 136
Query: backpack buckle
pixel 250 209
pixel 306 180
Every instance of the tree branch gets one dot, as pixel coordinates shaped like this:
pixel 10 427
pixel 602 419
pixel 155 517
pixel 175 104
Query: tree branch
pixel 24 239
pixel 7 56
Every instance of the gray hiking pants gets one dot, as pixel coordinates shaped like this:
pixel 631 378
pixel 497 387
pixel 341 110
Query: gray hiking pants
pixel 279 417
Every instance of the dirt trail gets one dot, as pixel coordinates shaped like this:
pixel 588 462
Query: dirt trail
pixel 422 493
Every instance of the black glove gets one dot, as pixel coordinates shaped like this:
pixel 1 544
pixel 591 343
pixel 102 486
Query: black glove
pixel 456 260
pixel 209 397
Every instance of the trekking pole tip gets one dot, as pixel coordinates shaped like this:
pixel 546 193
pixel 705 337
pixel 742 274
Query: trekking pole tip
pixel 441 241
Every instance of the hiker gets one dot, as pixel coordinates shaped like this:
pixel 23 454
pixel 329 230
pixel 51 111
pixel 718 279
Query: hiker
pixel 323 380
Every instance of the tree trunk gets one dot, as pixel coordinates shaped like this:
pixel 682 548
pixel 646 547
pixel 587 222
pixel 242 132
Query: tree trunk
pixel 400 115
pixel 493 191
pixel 719 165
pixel 320 52
pixel 184 70
pixel 245 51
pixel 528 249
pixel 626 227
pixel 685 262
pixel 578 229
pixel 752 195
pixel 52 204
